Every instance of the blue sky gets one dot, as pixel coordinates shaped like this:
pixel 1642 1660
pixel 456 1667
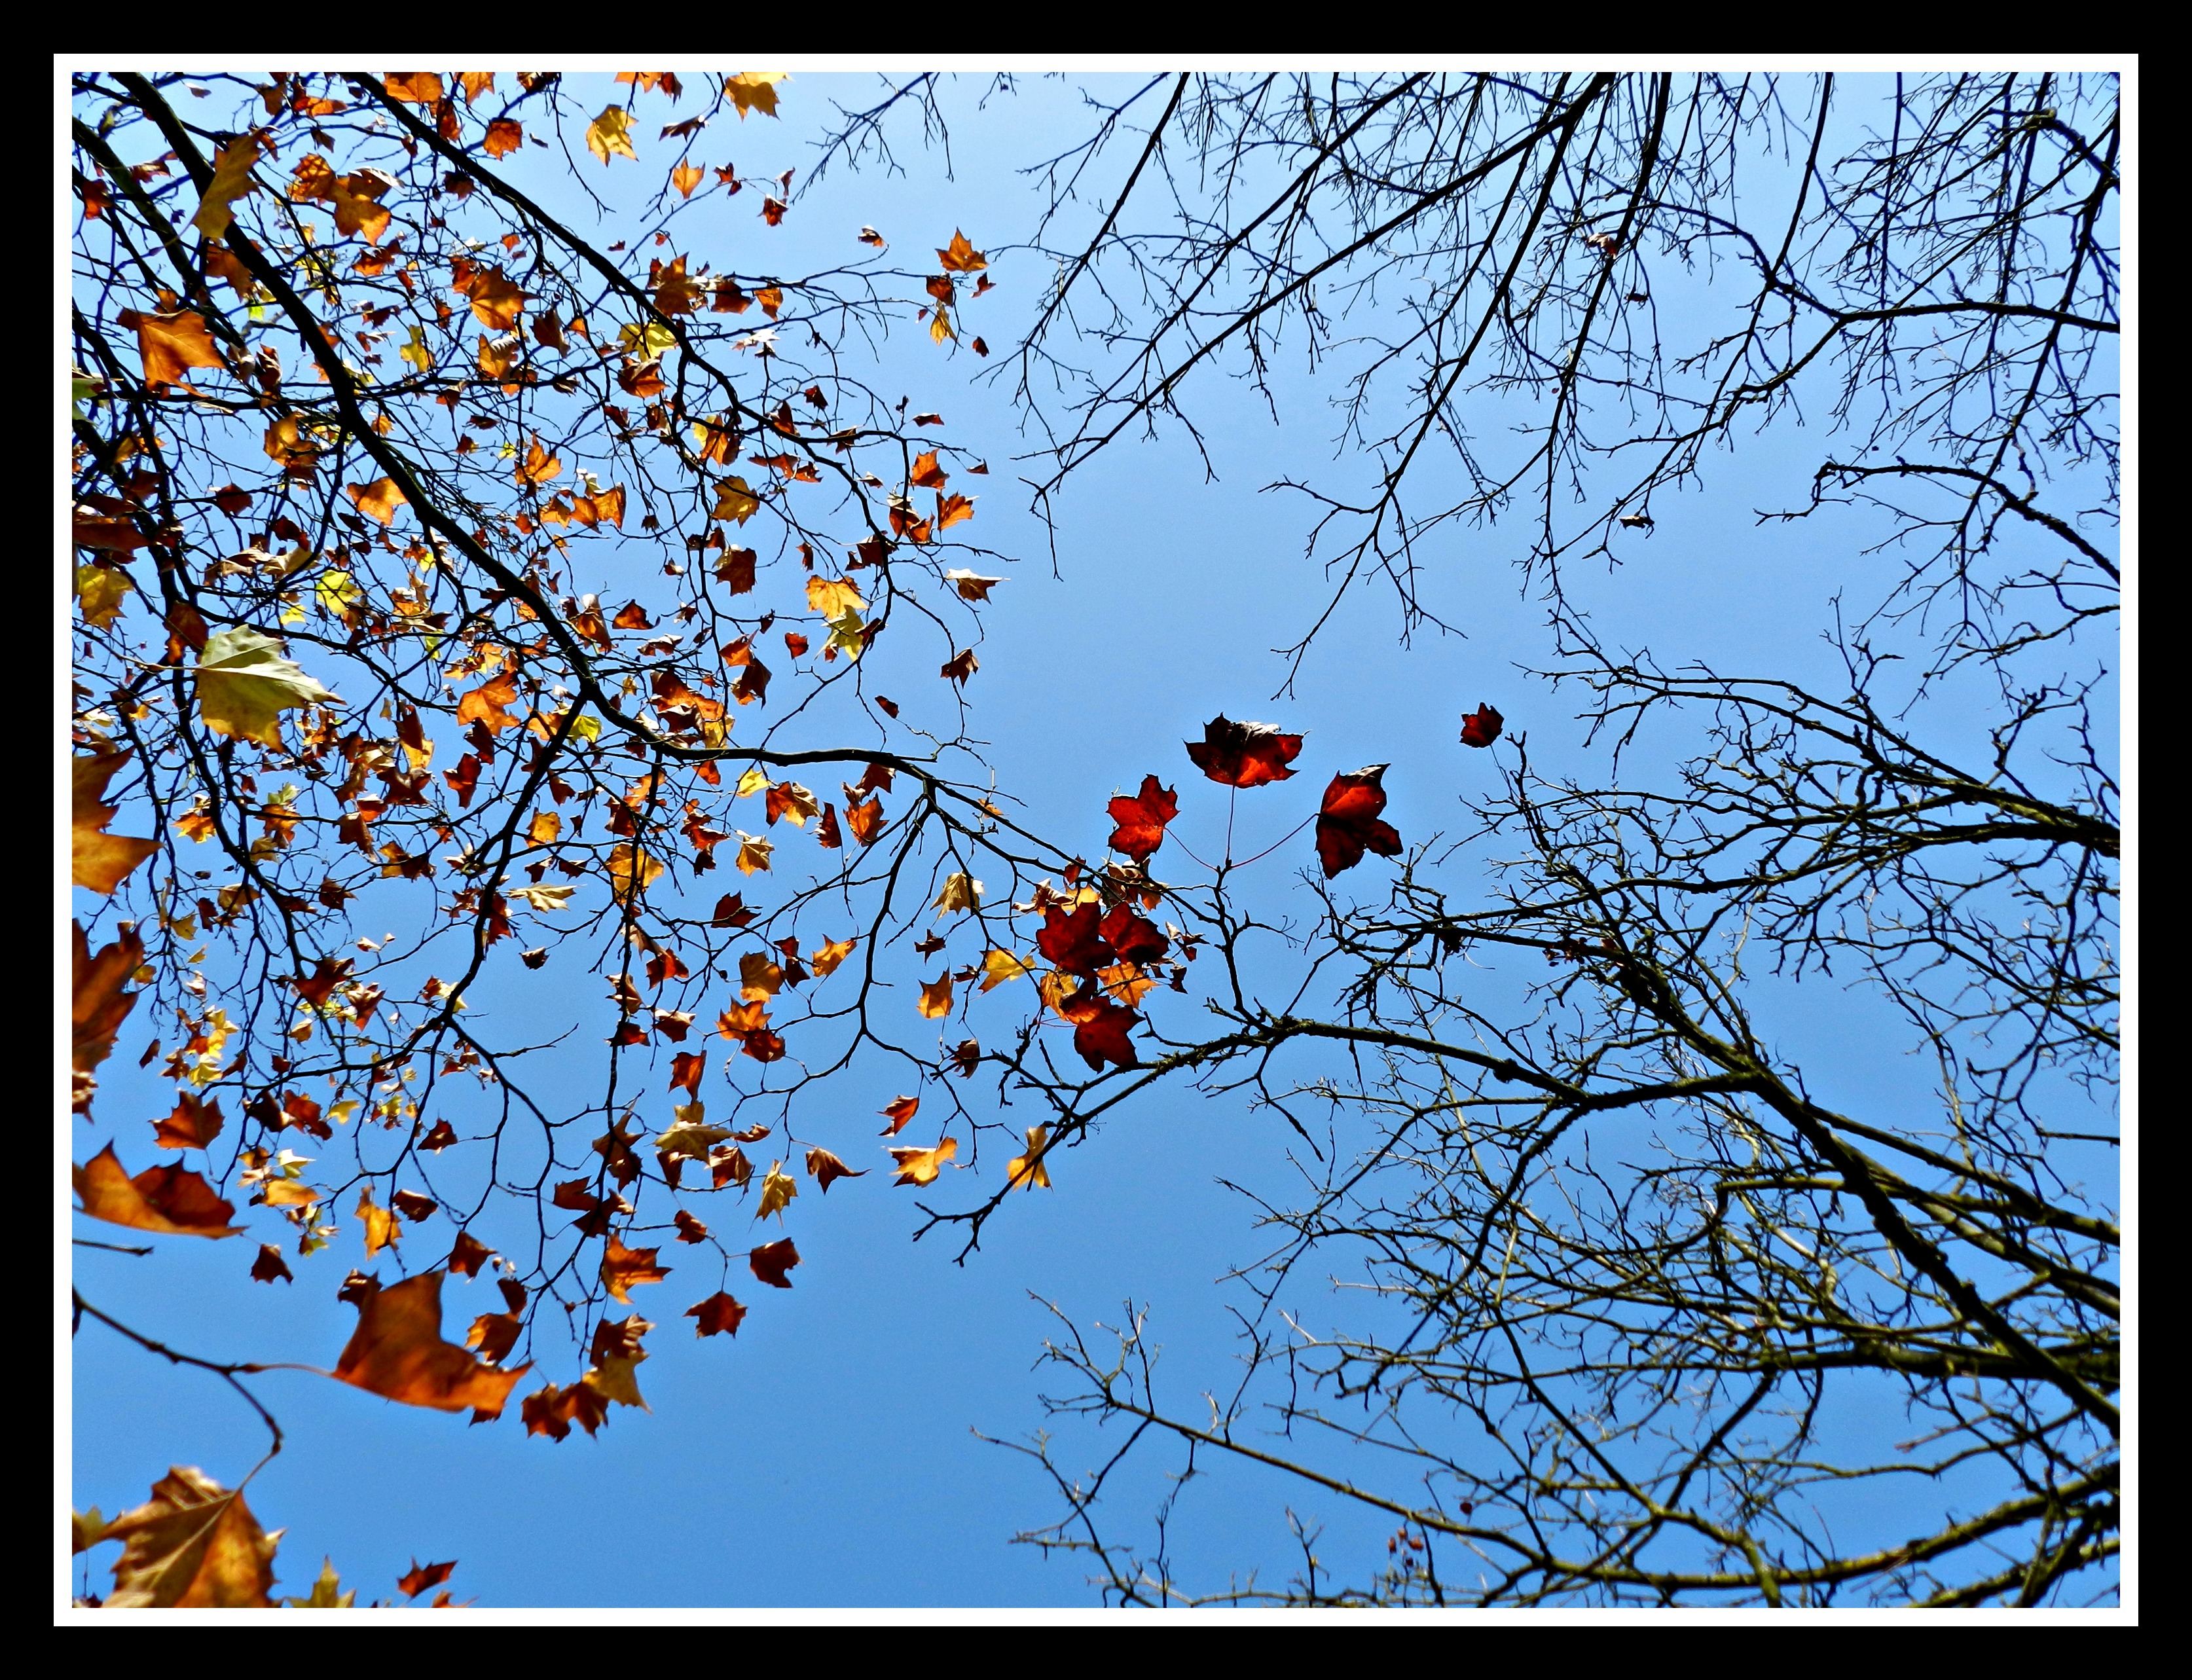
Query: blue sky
pixel 829 1456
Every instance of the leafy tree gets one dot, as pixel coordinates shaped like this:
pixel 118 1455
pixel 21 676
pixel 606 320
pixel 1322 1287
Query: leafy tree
pixel 1640 1365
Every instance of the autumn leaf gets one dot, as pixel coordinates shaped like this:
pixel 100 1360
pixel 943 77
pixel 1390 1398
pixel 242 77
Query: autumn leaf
pixel 901 1110
pixel 951 511
pixel 609 135
pixel 685 177
pixel 971 585
pixel 832 598
pixel 193 1125
pixel 414 86
pixel 194 1545
pixel 754 90
pixel 789 800
pixel 243 683
pixel 541 464
pixel 487 704
pixel 504 137
pixel 1141 818
pixel 772 1261
pixel 170 1200
pixel 397 1352
pixel 825 1169
pixel 378 501
pixel 1001 966
pixel 231 180
pixel 753 852
pixel 759 978
pixel 98 1005
pixel 920 1166
pixel 632 870
pixel 382 1227
pixel 735 500
pixel 1348 824
pixel 1135 938
pixel 99 860
pixel 170 344
pixel 418 1579
pixel 1481 727
pixel 497 301
pixel 961 892
pixel 1073 940
pixel 622 1267
pixel 719 1314
pixel 1027 1172
pixel 777 1190
pixel 959 257
pixel 936 998
pixel 1243 755
pixel 542 899
pixel 960 666
pixel 1101 1036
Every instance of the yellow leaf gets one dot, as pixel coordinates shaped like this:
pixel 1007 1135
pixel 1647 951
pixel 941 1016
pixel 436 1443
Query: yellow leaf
pixel 939 326
pixel 416 352
pixel 753 781
pixel 632 870
pixel 753 853
pixel 337 591
pixel 609 135
pixel 685 177
pixel 99 860
pixel 936 998
pixel 102 589
pixel 961 892
pixel 920 1166
pixel 382 1227
pixel 231 180
pixel 754 90
pixel 615 1378
pixel 833 596
pixel 243 683
pixel 735 500
pixel 824 960
pixel 195 1545
pixel 378 501
pixel 1001 966
pixel 758 977
pixel 846 635
pixel 546 826
pixel 777 1190
pixel 1026 1171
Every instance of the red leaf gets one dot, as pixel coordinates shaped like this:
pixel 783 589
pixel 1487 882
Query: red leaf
pixel 1481 727
pixel 1101 1035
pixel 433 1575
pixel 1074 941
pixel 1243 755
pixel 1141 818
pixel 1349 824
pixel 772 1260
pixel 717 1314
pixel 1135 938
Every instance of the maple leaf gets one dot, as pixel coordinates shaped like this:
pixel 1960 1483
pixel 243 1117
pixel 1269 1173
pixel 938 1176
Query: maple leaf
pixel 543 899
pixel 1135 938
pixel 243 683
pixel 420 1578
pixel 382 1227
pixel 1243 755
pixel 753 852
pixel 1027 1172
pixel 833 597
pixel 951 511
pixel 468 1254
pixel 622 1267
pixel 790 800
pixel 609 135
pixel 921 1166
pixel 690 1138
pixel 1100 1036
pixel 541 464
pixel 1073 940
pixel 1481 727
pixel 632 870
pixel 378 501
pixel 718 1314
pixel 960 666
pixel 735 500
pixel 193 1125
pixel 935 1002
pixel 971 585
pixel 772 1261
pixel 959 257
pixel 825 1169
pixel 327 1593
pixel 777 1190
pixel 504 137
pixel 170 344
pixel 414 86
pixel 193 1545
pixel 397 1352
pixel 270 1265
pixel 1001 966
pixel 1348 823
pixel 961 892
pixel 497 302
pixel 231 180
pixel 1141 818
pixel 170 1200
pixel 97 860
pixel 754 90
pixel 901 1110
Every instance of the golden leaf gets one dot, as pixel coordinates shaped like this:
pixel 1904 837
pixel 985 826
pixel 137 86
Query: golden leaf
pixel 833 596
pixel 1026 1171
pixel 936 998
pixel 194 1545
pixel 609 135
pixel 777 1190
pixel 753 852
pixel 920 1166
pixel 961 892
pixel 632 870
pixel 99 860
pixel 231 180
pixel 754 90
pixel 378 501
pixel 397 1352
pixel 1001 966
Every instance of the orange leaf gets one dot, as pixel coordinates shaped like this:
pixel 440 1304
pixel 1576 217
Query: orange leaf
pixel 170 344
pixel 397 1352
pixel 99 860
pixel 195 1545
pixel 825 1169
pixel 622 1267
pixel 378 501
pixel 920 1166
pixel 901 1110
pixel 959 257
pixel 171 1199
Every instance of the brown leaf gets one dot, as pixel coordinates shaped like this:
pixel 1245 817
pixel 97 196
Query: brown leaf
pixel 825 1169
pixel 622 1267
pixel 433 1575
pixel 772 1261
pixel 193 1545
pixel 270 1265
pixel 720 1312
pixel 468 1254
pixel 168 1199
pixel 397 1352
pixel 193 1125
pixel 99 860
pixel 901 1110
